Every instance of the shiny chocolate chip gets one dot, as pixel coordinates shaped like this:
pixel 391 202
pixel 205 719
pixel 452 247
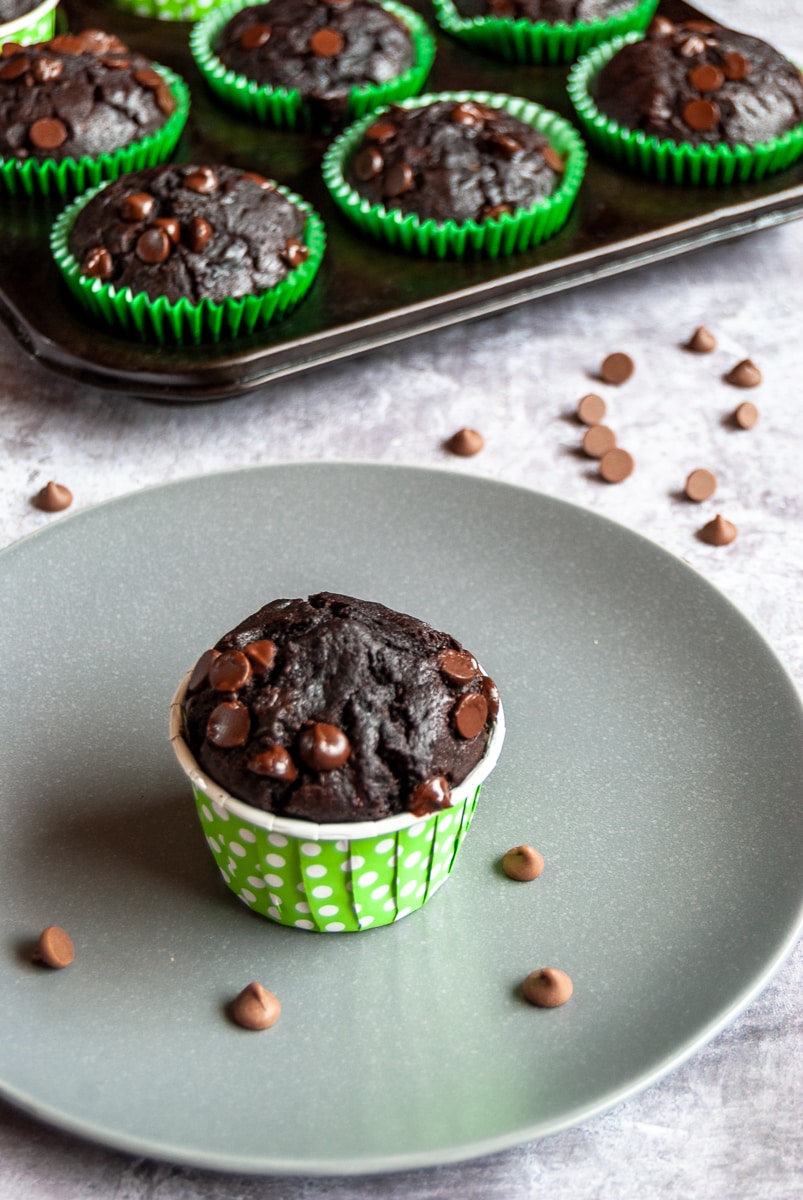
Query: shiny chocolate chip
pixel 256 1008
pixel 48 134
pixel 153 246
pixel 692 46
pixel 171 227
pixel 199 234
pixel 398 179
pixel 55 948
pixel 491 693
pixel 323 747
pixel 553 160
pixel 746 415
pixel 137 206
pixel 53 497
pixel 506 144
pixel 12 68
pixel 275 762
pixel 468 114
pixel 148 77
pixel 744 375
pixel 230 671
pixel 326 43
pixel 381 131
pixel 432 795
pixel 700 485
pixel 660 27
pixel 229 725
pixel 267 185
pixel 735 66
pixel 547 988
pixel 165 100
pixel 295 253
pixel 255 35
pixel 97 263
pixel 368 164
pixel 617 368
pixel 200 672
pixel 706 78
pixel 470 714
pixel 203 180
pixel 261 654
pixel 458 666
pixel 523 863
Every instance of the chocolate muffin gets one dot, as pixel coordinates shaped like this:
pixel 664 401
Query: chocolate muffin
pixel 11 9
pixel 453 160
pixel 568 12
pixel 321 48
pixel 333 709
pixel 190 232
pixel 700 83
pixel 78 95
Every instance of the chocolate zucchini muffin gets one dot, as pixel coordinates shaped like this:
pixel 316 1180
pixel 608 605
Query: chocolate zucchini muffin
pixel 11 9
pixel 700 83
pixel 78 95
pixel 333 709
pixel 192 232
pixel 568 12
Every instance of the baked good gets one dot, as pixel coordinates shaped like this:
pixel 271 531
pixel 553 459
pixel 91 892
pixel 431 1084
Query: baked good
pixel 569 12
pixel 24 21
pixel 11 9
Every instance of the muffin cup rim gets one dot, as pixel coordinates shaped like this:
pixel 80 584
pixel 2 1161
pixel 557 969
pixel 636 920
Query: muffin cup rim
pixel 486 21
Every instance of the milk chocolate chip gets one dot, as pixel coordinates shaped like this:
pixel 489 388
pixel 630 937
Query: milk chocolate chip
pixel 55 948
pixel 470 714
pixel 548 988
pixel 616 465
pixel 523 863
pixel 744 375
pixel 326 43
pixel 466 443
pixel 702 341
pixel 591 409
pixel 746 415
pixel 458 666
pixel 261 654
pixel 598 440
pixel 700 485
pixel 617 368
pixel 256 1007
pixel 230 671
pixel 54 497
pixel 718 532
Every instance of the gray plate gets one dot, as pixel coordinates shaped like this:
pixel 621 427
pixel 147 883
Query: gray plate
pixel 654 755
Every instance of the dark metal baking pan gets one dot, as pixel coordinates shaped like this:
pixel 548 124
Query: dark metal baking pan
pixel 365 296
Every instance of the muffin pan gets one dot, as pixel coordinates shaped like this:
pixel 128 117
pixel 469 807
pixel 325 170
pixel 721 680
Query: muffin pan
pixel 365 296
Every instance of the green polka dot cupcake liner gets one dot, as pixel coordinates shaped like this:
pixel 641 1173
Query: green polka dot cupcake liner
pixel 287 108
pixel 167 10
pixel 138 317
pixel 523 41
pixel 38 25
pixel 492 238
pixel 331 878
pixel 71 176
pixel 668 161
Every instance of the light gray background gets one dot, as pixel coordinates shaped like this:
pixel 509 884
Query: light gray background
pixel 728 1122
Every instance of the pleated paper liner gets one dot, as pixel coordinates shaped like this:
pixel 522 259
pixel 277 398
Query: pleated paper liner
pixel 167 10
pixel 38 25
pixel 492 238
pixel 524 41
pixel 71 176
pixel 140 318
pixel 287 108
pixel 668 161
pixel 331 878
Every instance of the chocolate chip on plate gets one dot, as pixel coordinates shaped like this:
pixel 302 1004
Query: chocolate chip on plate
pixel 523 863
pixel 256 1007
pixel 700 485
pixel 53 497
pixel 465 442
pixel 548 988
pixel 55 948
pixel 617 368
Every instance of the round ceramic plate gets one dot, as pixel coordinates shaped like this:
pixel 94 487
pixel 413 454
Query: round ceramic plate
pixel 654 755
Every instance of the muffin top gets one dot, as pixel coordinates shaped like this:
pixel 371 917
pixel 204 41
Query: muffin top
pixel 321 48
pixel 553 12
pixel 77 94
pixel 699 82
pixel 11 9
pixel 337 709
pixel 189 231
pixel 453 161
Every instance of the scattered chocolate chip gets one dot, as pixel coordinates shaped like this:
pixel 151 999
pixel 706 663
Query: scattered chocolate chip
pixel 744 375
pixel 153 246
pixel 48 134
pixel 200 672
pixel 171 227
pixel 554 160
pixel 230 671
pixel 274 762
pixel 700 485
pixel 295 253
pixel 735 66
pixel 591 409
pixel 465 442
pixel 702 341
pixel 368 163
pixel 398 179
pixel 598 440
pixel 746 415
pixel 470 714
pixel 325 43
pixel 615 465
pixel 255 35
pixel 701 115
pixel 97 263
pixel 229 725
pixel 54 497
pixel 706 78
pixel 199 234
pixel 261 654
pixel 12 68
pixel 137 207
pixel 256 1007
pixel 548 988
pixel 458 666
pixel 55 948
pixel 617 368
pixel 523 863
pixel 381 131
pixel 431 796
pixel 203 181
pixel 718 532
pixel 323 747
pixel 491 693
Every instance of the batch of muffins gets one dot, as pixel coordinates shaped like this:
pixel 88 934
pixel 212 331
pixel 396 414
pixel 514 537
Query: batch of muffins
pixel 207 252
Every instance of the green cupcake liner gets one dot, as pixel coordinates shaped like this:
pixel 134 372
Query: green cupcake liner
pixel 331 878
pixel 506 234
pixel 38 25
pixel 668 161
pixel 525 41
pixel 29 177
pixel 287 108
pixel 179 322
pixel 167 10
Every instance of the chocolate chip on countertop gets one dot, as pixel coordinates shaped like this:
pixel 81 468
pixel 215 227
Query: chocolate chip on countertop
pixel 744 375
pixel 432 795
pixel 200 672
pixel 261 654
pixel 48 133
pixel 598 440
pixel 617 368
pixel 137 206
pixel 491 693
pixel 54 497
pixel 326 43
pixel 700 485
pixel 746 415
pixel 523 863
pixel 702 341
pixel 256 1008
pixel 55 948
pixel 616 465
pixel 591 409
pixel 275 762
pixel 718 532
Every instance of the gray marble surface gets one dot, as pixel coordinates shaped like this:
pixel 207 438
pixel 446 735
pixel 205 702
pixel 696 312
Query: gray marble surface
pixel 727 1123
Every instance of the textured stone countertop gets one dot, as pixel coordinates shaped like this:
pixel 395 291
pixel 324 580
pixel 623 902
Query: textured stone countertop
pixel 727 1122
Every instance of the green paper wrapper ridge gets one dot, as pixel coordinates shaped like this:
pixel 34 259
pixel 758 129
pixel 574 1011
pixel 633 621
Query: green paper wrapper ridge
pixel 167 10
pixel 177 322
pixel 507 234
pixel 287 108
pixel 525 41
pixel 38 25
pixel 71 176
pixel 331 878
pixel 668 161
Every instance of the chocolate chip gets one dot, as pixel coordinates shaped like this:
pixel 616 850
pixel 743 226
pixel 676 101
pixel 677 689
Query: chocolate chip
pixel 200 672
pixel 701 115
pixel 230 671
pixel 171 227
pixel 506 144
pixel 553 160
pixel 368 163
pixel 274 762
pixel 693 45
pixel 470 714
pixel 267 185
pixel 229 725
pixel 398 179
pixel 465 443
pixel 325 43
pixel 199 234
pixel 97 263
pixel 255 35
pixel 9 48
pixel 700 485
pixel 153 246
pixel 12 68
pixel 744 375
pixel 67 43
pixel 381 131
pixel 469 114
pixel 660 27
pixel 203 181
pixel 261 654
pixel 615 465
pixel 491 693
pixel 55 948
pixel 699 26
pixel 256 1008
pixel 48 134
pixel 116 64
pixel 494 211
pixel 548 988
pixel 165 100
pixel 706 78
pixel 591 409
pixel 458 666
pixel 746 415
pixel 523 863
pixel 718 532
pixel 323 747
pixel 138 206
pixel 735 66
pixel 148 78
pixel 432 795
pixel 702 341
pixel 295 253
pixel 54 497
pixel 617 367
pixel 598 440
